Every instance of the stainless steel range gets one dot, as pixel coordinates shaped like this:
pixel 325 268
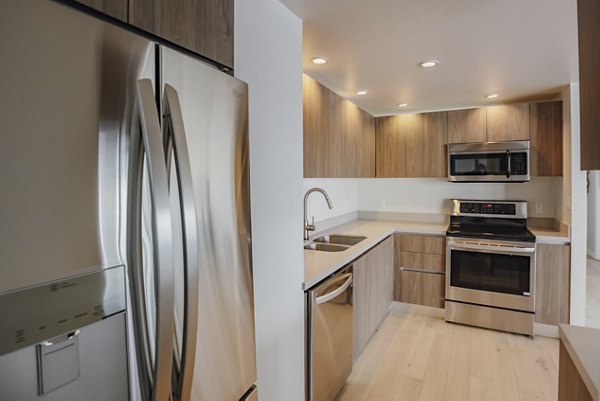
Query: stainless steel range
pixel 490 266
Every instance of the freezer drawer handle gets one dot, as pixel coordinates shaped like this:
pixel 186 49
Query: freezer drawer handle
pixel 331 295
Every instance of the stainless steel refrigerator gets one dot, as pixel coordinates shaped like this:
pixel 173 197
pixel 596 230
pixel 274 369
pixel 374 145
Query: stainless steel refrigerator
pixel 125 246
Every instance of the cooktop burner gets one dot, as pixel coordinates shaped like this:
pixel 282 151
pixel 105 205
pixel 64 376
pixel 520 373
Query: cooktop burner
pixel 503 220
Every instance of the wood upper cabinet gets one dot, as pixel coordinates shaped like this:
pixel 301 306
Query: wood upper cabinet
pixel 467 126
pixel 114 8
pixel 589 82
pixel 412 145
pixel 552 289
pixel 373 281
pixel 339 137
pixel 546 131
pixel 508 122
pixel 202 26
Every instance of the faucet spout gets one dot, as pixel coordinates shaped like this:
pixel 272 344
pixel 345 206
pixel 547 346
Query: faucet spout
pixel 308 226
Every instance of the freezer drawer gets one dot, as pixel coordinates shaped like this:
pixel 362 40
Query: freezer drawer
pixel 330 336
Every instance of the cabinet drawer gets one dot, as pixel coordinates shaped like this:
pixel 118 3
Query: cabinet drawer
pixel 421 261
pixel 419 288
pixel 421 244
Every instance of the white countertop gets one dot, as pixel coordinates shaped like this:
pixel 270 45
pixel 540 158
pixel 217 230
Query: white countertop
pixel 582 344
pixel 318 265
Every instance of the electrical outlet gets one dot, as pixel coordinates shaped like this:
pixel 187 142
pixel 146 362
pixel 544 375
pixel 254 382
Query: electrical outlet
pixel 539 208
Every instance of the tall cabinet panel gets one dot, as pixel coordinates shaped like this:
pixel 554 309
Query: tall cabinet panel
pixel 339 137
pixel 114 8
pixel 589 82
pixel 202 26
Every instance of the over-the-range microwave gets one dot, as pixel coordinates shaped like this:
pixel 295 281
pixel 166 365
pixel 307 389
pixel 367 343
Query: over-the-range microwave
pixel 489 162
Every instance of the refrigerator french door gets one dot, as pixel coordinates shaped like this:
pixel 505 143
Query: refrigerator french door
pixel 125 186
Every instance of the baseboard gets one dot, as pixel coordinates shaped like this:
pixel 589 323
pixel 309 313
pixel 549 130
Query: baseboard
pixel 419 310
pixel 593 255
pixel 545 330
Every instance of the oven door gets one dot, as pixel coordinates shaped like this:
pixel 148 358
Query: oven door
pixel 492 273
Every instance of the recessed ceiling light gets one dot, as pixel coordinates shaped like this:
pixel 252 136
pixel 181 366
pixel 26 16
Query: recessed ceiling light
pixel 429 63
pixel 402 104
pixel 493 96
pixel 319 60
pixel 361 93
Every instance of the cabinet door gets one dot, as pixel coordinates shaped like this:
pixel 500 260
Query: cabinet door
pixel 360 308
pixel 552 283
pixel 202 26
pixel 546 138
pixel 507 123
pixel 571 386
pixel 339 137
pixel 466 126
pixel 589 82
pixel 114 8
pixel 422 288
pixel 412 145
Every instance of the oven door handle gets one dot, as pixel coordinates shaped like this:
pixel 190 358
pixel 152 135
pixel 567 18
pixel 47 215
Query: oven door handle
pixel 492 249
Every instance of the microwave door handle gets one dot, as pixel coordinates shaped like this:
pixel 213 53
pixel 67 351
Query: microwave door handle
pixel 175 131
pixel 162 239
pixel 508 156
pixel 492 249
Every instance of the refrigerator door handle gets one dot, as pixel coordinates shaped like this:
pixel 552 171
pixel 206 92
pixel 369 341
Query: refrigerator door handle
pixel 154 374
pixel 175 129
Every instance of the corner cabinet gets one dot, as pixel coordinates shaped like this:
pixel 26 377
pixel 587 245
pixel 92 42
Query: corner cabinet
pixel 114 8
pixel 420 267
pixel 339 137
pixel 373 292
pixel 588 12
pixel 202 26
pixel 412 145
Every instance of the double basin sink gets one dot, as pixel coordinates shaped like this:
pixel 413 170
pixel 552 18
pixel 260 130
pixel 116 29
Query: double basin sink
pixel 334 242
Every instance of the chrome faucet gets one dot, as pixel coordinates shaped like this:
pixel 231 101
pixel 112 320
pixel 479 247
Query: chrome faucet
pixel 311 226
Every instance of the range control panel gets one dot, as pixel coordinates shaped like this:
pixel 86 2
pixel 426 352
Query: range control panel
pixel 488 208
pixel 495 209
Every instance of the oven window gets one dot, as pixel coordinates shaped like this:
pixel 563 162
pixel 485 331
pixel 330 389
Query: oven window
pixel 490 272
pixel 479 164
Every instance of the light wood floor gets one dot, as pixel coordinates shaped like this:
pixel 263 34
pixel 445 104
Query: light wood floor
pixel 418 358
pixel 592 307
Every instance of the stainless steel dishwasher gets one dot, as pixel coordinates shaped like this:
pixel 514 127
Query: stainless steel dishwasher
pixel 329 336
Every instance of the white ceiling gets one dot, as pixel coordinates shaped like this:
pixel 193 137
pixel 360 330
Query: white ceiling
pixel 519 48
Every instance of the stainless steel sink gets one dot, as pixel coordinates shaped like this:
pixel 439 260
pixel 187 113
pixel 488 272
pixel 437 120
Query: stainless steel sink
pixel 340 239
pixel 326 247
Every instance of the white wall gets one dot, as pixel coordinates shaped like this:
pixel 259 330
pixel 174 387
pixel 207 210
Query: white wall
pixel 268 55
pixel 342 192
pixel 593 221
pixel 575 205
pixel 431 195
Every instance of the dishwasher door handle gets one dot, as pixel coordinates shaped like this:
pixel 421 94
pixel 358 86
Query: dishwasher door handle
pixel 330 295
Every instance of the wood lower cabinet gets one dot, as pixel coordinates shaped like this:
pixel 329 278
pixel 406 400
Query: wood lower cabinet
pixel 552 289
pixel 467 126
pixel 114 8
pixel 339 137
pixel 546 130
pixel 202 26
pixel 571 386
pixel 419 269
pixel 508 122
pixel 412 145
pixel 422 288
pixel 373 275
pixel 589 82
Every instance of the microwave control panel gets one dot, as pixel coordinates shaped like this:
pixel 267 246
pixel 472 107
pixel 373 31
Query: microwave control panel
pixel 518 163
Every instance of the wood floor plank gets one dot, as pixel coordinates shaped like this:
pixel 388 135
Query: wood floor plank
pixel 455 362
